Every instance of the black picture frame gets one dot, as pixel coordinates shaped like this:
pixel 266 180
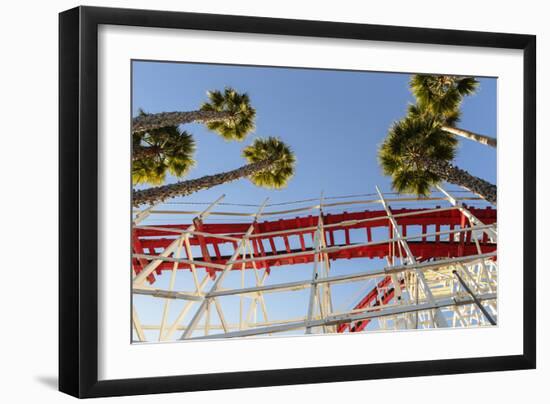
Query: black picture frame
pixel 78 176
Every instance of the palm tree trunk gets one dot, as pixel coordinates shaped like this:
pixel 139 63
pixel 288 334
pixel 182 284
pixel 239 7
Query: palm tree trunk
pixel 183 188
pixel 476 137
pixel 454 175
pixel 146 122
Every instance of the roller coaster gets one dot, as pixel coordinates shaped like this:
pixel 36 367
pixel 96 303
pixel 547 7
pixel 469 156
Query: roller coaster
pixel 325 265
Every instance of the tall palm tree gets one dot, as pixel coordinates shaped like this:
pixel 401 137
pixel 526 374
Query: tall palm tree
pixel 229 114
pixel 270 165
pixel 441 96
pixel 158 151
pixel 417 154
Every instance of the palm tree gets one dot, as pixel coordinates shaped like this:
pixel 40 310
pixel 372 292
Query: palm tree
pixel 441 96
pixel 240 115
pixel 270 165
pixel 417 154
pixel 158 151
pixel 229 114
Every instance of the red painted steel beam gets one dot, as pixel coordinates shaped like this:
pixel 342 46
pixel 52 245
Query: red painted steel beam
pixel 421 250
pixel 449 217
pixel 149 240
pixel 139 264
pixel 371 299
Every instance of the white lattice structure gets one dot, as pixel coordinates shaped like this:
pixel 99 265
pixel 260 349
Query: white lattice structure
pixel 387 263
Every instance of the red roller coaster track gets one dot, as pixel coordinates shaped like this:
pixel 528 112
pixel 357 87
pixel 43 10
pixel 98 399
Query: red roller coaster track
pixel 154 241
pixel 290 241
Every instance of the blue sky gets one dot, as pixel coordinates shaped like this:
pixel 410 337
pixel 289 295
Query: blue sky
pixel 333 120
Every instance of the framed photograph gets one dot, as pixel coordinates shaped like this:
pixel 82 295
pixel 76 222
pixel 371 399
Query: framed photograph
pixel 251 201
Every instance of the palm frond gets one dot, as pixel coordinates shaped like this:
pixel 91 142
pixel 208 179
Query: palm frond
pixel 273 149
pixel 241 119
pixel 441 94
pixel 175 150
pixel 467 86
pixel 409 145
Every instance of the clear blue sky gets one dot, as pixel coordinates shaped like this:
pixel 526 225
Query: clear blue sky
pixel 333 120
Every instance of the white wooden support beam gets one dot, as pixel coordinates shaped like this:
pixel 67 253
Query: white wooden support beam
pixel 315 273
pixel 221 315
pixel 355 277
pixel 221 275
pixel 474 221
pixel 140 278
pixel 346 318
pixel 186 308
pixel 144 214
pixel 137 325
pixel 259 282
pixel 166 307
pixel 438 317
